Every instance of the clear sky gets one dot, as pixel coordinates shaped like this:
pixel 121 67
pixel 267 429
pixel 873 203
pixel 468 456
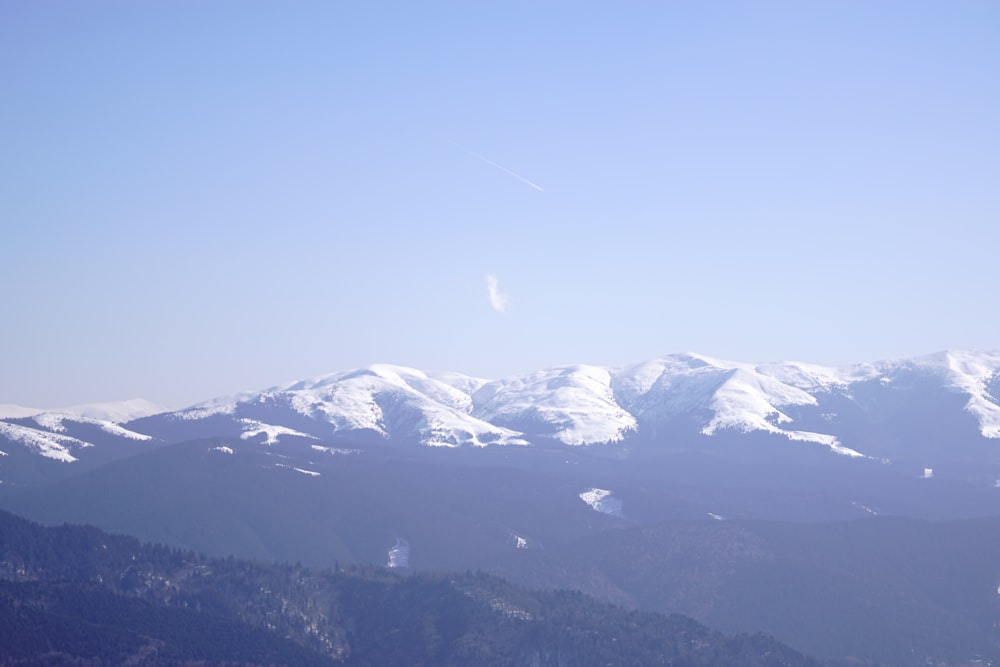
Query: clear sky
pixel 198 198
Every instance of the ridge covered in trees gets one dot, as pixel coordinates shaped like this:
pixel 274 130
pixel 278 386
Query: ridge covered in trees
pixel 76 595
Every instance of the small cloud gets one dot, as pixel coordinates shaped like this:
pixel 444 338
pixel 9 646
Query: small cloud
pixel 498 300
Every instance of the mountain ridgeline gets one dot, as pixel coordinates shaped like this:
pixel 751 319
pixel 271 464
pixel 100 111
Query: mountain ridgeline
pixel 938 412
pixel 76 595
pixel 850 512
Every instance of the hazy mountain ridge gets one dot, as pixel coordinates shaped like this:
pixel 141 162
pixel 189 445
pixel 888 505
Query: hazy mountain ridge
pixel 116 411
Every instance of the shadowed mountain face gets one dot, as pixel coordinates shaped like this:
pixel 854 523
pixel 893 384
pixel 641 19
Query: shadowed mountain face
pixel 886 589
pixel 675 534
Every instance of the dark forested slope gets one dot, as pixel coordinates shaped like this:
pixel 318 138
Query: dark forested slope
pixel 76 595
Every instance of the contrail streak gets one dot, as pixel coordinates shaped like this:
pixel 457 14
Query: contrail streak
pixel 499 166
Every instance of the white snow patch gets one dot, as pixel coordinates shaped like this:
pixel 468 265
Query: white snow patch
pixel 51 421
pixel 822 439
pixel 603 501
pixel 55 421
pixel 519 541
pixel 865 508
pixel 115 429
pixel 223 449
pixel 717 517
pixel 271 433
pixel 336 450
pixel 49 445
pixel 310 473
pixel 399 554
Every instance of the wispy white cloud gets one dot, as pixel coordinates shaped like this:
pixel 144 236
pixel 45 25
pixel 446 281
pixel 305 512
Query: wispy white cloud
pixel 498 300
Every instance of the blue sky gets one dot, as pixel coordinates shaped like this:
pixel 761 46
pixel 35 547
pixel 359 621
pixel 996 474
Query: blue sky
pixel 204 197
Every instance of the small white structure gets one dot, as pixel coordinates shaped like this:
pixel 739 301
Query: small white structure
pixel 928 473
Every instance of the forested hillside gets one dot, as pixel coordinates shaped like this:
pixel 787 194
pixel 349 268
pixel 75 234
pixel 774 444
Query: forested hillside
pixel 76 595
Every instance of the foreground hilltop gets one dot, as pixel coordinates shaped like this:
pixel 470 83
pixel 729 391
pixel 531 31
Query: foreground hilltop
pixel 75 595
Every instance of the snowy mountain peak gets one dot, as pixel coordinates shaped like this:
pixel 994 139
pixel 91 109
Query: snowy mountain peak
pixel 115 411
pixel 574 405
pixel 586 404
pixel 978 375
pixel 666 402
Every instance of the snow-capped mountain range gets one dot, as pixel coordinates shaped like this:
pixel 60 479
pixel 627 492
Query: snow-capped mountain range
pixel 863 410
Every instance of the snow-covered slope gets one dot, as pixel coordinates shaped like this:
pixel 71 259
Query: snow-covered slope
pixel 67 436
pixel 50 445
pixel 723 395
pixel 976 375
pixel 665 399
pixel 394 402
pixel 55 422
pixel 573 405
pixel 875 410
